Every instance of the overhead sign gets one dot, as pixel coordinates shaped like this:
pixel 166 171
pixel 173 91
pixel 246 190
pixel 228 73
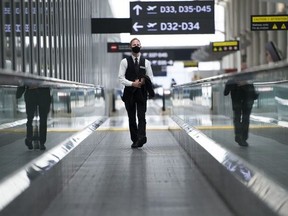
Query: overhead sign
pixel 118 47
pixel 160 58
pixel 225 46
pixel 175 54
pixel 269 22
pixel 190 64
pixel 110 25
pixel 175 17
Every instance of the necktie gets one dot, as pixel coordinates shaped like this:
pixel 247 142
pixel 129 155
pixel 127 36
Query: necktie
pixel 136 65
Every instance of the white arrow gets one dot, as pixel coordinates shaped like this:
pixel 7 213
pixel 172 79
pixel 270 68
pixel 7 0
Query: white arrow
pixel 136 26
pixel 137 8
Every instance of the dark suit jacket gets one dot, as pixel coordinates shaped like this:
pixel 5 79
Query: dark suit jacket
pixel 149 86
pixel 240 93
pixel 20 91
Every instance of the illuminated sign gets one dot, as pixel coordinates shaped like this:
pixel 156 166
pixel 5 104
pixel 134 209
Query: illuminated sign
pixel 175 17
pixel 157 58
pixel 190 64
pixel 269 22
pixel 118 47
pixel 224 46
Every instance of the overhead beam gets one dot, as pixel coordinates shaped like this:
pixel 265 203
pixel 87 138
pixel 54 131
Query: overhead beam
pixel 111 25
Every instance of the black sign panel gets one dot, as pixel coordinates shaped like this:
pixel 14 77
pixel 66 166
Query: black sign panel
pixel 269 22
pixel 173 26
pixel 175 17
pixel 160 57
pixel 156 60
pixel 110 25
pixel 118 47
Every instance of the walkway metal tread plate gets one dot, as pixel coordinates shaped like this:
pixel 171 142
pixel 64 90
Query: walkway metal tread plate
pixel 158 179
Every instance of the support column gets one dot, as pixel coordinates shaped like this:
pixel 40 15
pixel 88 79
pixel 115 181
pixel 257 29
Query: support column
pixel 244 33
pixel 263 35
pixel 282 34
pixel 282 43
pixel 255 36
pixel 228 30
pixel 271 9
pixel 237 30
pixel 250 47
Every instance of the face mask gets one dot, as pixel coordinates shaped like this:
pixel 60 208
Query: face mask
pixel 136 49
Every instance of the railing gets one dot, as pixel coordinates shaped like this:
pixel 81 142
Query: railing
pixel 206 95
pixel 68 98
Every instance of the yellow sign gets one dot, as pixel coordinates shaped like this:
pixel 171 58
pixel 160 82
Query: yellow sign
pixel 225 43
pixel 223 46
pixel 190 64
pixel 265 19
pixel 269 22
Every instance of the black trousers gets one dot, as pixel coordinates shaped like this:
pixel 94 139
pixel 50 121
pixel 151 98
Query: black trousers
pixel 38 98
pixel 136 105
pixel 241 119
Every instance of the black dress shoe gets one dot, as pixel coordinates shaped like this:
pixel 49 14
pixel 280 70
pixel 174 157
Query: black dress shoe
pixel 42 147
pixel 243 143
pixel 134 145
pixel 142 141
pixel 28 143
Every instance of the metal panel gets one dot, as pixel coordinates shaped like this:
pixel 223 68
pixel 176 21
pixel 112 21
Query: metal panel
pixel 2 34
pixel 22 26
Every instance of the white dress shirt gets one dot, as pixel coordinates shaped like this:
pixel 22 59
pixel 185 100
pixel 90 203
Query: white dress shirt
pixel 123 67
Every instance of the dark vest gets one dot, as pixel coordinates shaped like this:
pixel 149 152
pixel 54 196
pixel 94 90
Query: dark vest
pixel 130 71
pixel 131 75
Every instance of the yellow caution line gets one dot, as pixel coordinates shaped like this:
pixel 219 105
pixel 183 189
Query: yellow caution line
pixel 73 130
pixel 127 129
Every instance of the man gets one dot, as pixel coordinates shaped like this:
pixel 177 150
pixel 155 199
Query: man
pixel 243 95
pixel 135 73
pixel 36 98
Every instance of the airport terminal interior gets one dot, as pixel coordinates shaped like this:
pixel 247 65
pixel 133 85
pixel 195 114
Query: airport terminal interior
pixel 204 156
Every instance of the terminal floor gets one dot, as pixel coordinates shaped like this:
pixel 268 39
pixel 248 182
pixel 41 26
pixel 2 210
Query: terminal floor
pixel 159 179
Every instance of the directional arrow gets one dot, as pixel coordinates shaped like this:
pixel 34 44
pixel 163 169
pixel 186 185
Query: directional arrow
pixel 137 8
pixel 170 62
pixel 136 26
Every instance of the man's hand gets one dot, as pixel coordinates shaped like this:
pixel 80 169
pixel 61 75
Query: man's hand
pixel 143 81
pixel 137 83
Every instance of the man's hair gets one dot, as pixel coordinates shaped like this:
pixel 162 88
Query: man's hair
pixel 133 40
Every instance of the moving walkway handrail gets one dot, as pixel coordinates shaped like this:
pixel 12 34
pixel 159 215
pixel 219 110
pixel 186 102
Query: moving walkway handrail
pixel 251 72
pixel 8 77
